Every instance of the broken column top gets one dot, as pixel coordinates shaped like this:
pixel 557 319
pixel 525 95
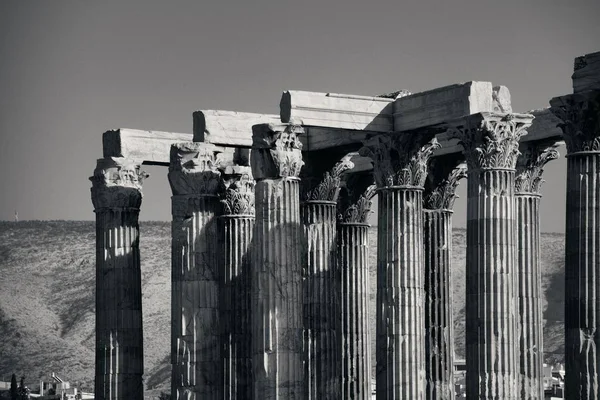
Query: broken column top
pixel 586 73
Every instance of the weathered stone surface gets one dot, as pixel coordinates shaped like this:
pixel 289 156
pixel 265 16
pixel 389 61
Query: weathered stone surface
pixel 501 99
pixel 321 176
pixel 527 201
pixel 278 355
pixel 196 351
pixel 586 75
pixel 580 114
pixel 355 201
pixel 400 159
pixel 530 166
pixel 442 104
pixel 333 110
pixel 353 255
pixel 237 192
pixel 116 194
pixel 491 148
pixel 236 230
pixel 276 151
pixel 322 312
pixel 228 128
pixel 322 315
pixel 400 169
pixel 150 147
pixel 490 140
pixel 439 195
pixel 236 236
pixel 194 169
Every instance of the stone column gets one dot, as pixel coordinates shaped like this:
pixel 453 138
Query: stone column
pixel 196 357
pixel 236 226
pixel 400 169
pixel 353 259
pixel 490 143
pixel 117 196
pixel 439 199
pixel 322 321
pixel 580 114
pixel 277 319
pixel 528 181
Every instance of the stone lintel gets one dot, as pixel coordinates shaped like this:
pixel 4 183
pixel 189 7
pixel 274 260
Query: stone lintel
pixel 586 73
pixel 276 151
pixel 579 116
pixel 194 169
pixel 436 106
pixel 147 147
pixel 228 128
pixel 334 110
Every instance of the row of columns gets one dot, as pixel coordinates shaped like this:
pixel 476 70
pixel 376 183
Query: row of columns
pixel 304 333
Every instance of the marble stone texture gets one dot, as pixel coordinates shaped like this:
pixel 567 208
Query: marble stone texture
pixel 116 195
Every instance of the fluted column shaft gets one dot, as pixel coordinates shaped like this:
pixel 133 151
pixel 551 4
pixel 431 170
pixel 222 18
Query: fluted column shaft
pixel 196 350
pixel 531 379
pixel 321 302
pixel 119 331
pixel 439 333
pixel 400 317
pixel 582 283
pixel 353 259
pixel 196 347
pixel 277 342
pixel 490 144
pixel 491 344
pixel 236 236
pixel 580 116
pixel 116 194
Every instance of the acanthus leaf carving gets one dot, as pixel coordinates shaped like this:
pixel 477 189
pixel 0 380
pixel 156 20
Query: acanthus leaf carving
pixel 276 151
pixel 237 191
pixel 194 169
pixel 530 167
pixel 443 193
pixel 400 159
pixel 580 116
pixel 117 183
pixel 328 188
pixel 354 204
pixel 491 141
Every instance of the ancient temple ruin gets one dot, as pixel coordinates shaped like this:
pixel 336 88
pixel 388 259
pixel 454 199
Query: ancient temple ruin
pixel 270 250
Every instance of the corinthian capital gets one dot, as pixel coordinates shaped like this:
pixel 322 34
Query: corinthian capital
pixel 117 183
pixel 530 167
pixel 442 181
pixel 319 186
pixel 193 169
pixel 237 192
pixel 276 151
pixel 490 140
pixel 400 159
pixel 354 205
pixel 580 116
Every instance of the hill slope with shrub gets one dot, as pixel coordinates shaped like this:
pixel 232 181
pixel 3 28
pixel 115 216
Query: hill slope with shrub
pixel 47 295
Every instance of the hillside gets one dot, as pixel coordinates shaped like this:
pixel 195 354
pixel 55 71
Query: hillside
pixel 47 299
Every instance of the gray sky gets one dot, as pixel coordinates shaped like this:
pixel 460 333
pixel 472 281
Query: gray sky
pixel 72 69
